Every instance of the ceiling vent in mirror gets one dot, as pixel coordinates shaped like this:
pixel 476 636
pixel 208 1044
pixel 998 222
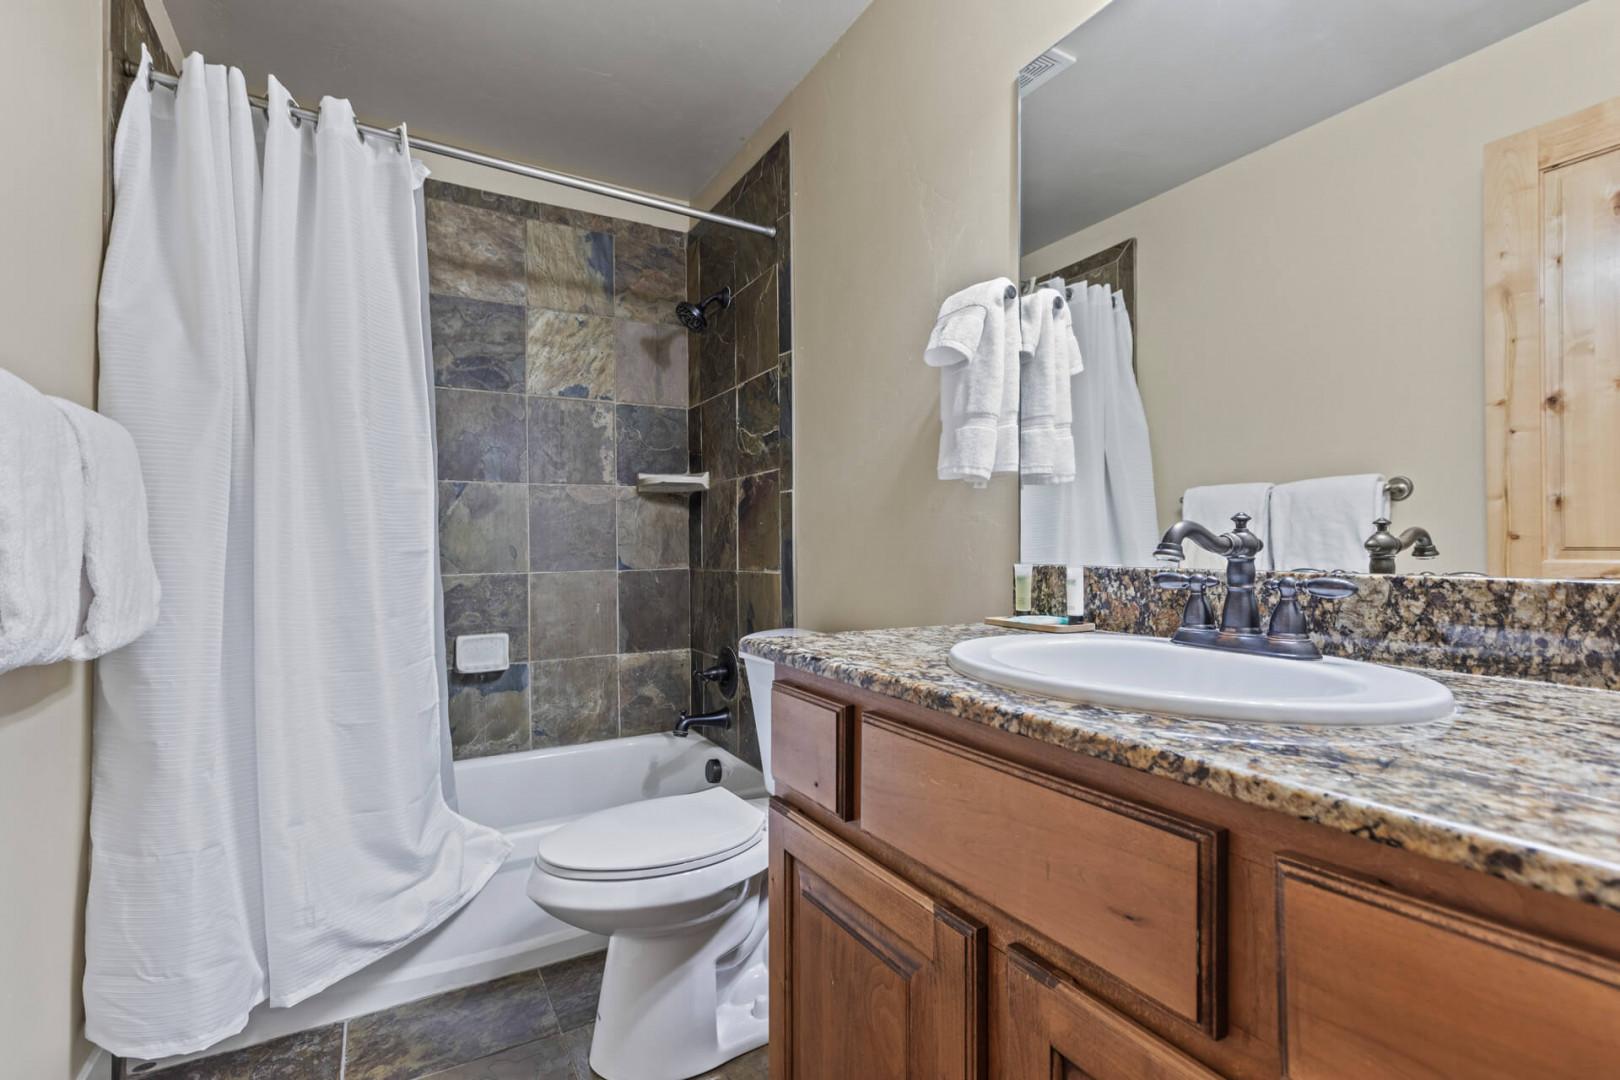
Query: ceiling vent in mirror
pixel 1043 67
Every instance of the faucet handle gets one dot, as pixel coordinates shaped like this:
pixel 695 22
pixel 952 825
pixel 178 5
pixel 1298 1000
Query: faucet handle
pixel 1173 580
pixel 1329 588
pixel 1197 613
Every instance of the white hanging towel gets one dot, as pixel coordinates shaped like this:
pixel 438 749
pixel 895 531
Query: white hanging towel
pixel 41 528
pixel 974 343
pixel 1213 505
pixel 1045 456
pixel 1322 523
pixel 267 812
pixel 124 590
pixel 1135 510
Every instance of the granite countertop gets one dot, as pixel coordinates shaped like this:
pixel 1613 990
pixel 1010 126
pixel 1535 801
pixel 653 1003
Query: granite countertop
pixel 1523 783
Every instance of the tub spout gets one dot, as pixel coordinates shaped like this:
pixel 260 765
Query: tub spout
pixel 720 718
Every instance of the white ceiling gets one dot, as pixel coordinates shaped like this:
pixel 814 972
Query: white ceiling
pixel 652 94
pixel 1163 91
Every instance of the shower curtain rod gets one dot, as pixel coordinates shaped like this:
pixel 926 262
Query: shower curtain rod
pixel 579 183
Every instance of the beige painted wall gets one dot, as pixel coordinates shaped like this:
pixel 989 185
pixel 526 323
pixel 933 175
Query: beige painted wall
pixel 1326 290
pixel 902 169
pixel 50 234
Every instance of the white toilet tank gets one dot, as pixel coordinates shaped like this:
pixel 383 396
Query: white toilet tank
pixel 761 673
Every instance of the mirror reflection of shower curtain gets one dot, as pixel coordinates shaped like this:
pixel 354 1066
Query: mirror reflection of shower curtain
pixel 1107 517
pixel 267 812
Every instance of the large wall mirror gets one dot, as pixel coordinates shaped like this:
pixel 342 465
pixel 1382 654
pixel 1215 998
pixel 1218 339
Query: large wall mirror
pixel 1344 260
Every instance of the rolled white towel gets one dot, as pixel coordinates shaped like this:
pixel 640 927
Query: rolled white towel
pixel 41 528
pixel 969 344
pixel 117 549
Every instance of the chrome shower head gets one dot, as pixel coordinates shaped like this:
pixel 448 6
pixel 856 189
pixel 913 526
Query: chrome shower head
pixel 695 316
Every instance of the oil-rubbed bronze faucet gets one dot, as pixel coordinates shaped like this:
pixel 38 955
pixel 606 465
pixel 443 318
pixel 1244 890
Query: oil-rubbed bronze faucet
pixel 1240 615
pixel 1382 546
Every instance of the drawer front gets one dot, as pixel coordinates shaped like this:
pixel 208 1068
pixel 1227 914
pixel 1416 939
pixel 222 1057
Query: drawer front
pixel 810 740
pixel 1375 983
pixel 1136 892
pixel 1052 1028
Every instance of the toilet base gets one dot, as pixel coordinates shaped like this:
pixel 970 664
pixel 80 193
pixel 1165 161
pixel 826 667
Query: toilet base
pixel 680 1002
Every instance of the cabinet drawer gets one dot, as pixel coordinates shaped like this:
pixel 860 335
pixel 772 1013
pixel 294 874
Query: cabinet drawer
pixel 810 746
pixel 1134 891
pixel 1376 983
pixel 1052 1028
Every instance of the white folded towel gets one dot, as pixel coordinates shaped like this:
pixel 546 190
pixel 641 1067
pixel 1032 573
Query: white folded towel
pixel 1045 438
pixel 1063 461
pixel 117 549
pixel 1213 505
pixel 976 352
pixel 1323 523
pixel 41 528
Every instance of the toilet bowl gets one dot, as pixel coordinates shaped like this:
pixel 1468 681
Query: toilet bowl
pixel 677 885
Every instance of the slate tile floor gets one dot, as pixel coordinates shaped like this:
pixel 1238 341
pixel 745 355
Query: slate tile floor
pixel 535 1025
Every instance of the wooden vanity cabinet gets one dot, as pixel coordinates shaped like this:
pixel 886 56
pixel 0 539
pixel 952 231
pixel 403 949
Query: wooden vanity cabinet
pixel 952 901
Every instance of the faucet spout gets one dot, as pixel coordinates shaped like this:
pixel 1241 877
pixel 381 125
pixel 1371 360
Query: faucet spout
pixel 720 718
pixel 1170 548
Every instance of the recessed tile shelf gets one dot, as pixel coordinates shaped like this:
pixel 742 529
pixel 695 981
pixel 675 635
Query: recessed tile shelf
pixel 671 483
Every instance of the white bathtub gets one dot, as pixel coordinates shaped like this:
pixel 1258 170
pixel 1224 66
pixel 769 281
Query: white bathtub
pixel 501 931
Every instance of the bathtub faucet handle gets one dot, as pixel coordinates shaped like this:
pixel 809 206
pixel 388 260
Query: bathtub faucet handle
pixel 723 673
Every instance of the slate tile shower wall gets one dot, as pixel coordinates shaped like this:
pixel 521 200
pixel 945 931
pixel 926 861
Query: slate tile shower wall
pixel 561 372
pixel 740 428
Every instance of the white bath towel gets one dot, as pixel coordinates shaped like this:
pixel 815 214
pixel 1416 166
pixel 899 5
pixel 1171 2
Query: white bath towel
pixel 41 528
pixel 1063 463
pixel 1044 372
pixel 1213 505
pixel 970 345
pixel 1323 523
pixel 124 588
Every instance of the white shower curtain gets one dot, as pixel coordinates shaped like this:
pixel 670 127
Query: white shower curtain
pixel 267 810
pixel 1107 517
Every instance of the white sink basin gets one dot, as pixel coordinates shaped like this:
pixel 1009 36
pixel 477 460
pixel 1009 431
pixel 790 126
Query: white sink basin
pixel 1152 675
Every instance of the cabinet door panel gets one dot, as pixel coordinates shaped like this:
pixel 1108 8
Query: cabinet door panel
pixel 1053 1030
pixel 870 977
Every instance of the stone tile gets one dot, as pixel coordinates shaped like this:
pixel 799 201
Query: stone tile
pixel 569 269
pixel 519 207
pixel 649 273
pixel 759 533
pixel 650 363
pixel 474 253
pixel 759 602
pixel 551 1058
pixel 758 423
pixel 788 582
pixel 717 356
pixel 579 1041
pixel 650 440
pixel 481 436
pixel 747 732
pixel 574 701
pixel 489 713
pixel 570 442
pixel 571 527
pixel 784 283
pixel 574 986
pixel 757 316
pixel 569 354
pixel 652 530
pixel 449 1029
pixel 487 604
pixel 718 529
pixel 654 610
pixel 714 610
pixel 653 688
pixel 784 418
pixel 477 345
pixel 573 614
pixel 717 431
pixel 717 260
pixel 754 1065
pixel 316 1054
pixel 483 528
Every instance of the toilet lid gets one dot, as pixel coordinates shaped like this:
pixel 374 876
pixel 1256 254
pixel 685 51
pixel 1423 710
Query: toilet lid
pixel 653 837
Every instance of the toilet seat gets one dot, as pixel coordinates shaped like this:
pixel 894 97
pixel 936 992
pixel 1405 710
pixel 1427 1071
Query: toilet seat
pixel 654 838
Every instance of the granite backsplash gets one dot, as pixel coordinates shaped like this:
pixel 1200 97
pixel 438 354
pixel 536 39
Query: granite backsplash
pixel 1554 631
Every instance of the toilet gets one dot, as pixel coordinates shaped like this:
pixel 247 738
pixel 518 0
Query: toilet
pixel 677 885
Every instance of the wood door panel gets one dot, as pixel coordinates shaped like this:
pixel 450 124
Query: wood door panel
pixel 1134 891
pixel 1376 983
pixel 870 976
pixel 1052 1028
pixel 1552 348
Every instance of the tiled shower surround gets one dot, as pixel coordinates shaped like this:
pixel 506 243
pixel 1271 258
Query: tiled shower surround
pixel 740 429
pixel 561 373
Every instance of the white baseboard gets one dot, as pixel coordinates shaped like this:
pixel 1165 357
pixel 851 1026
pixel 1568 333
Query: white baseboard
pixel 97 1067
